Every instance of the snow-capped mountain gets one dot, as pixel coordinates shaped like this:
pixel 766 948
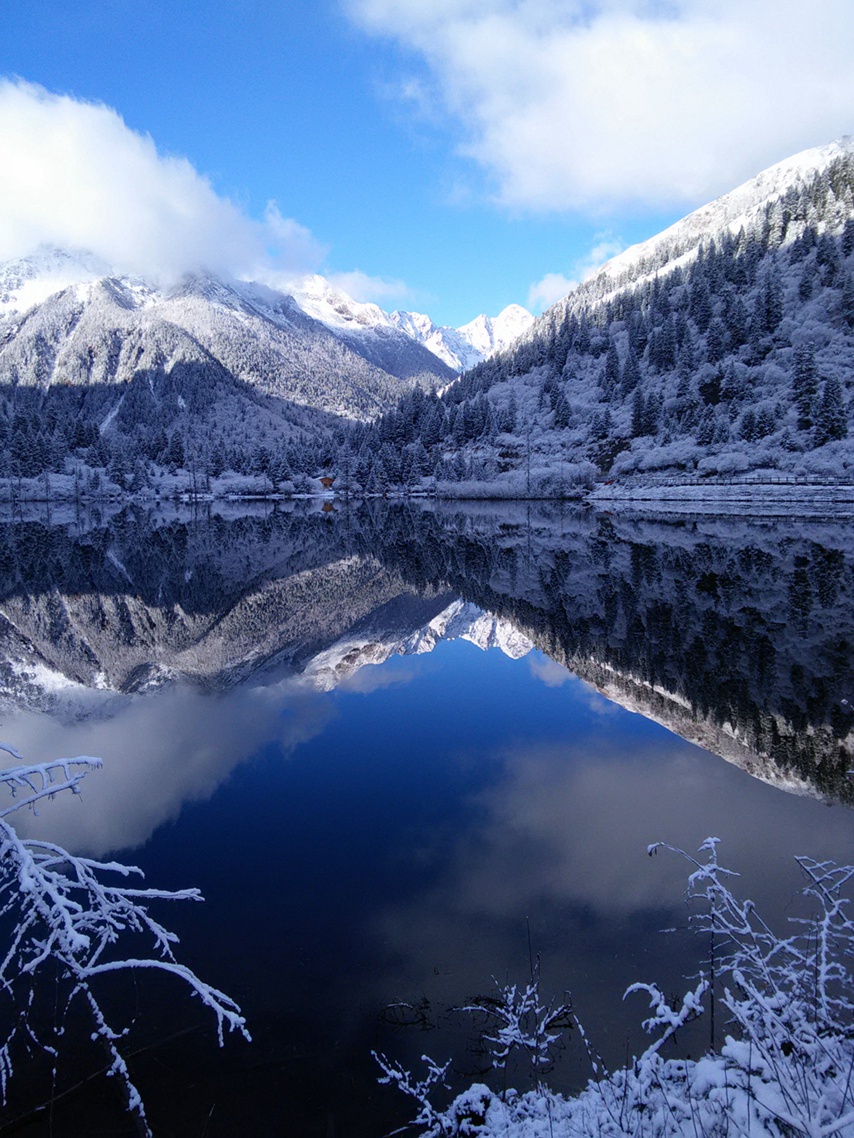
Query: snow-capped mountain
pixel 204 307
pixel 462 348
pixel 739 210
pixel 370 329
pixel 320 615
pixel 229 369
pixel 488 334
pixel 29 281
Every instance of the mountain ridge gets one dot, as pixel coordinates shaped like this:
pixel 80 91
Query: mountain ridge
pixel 734 210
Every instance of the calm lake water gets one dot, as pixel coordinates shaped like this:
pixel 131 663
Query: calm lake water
pixel 403 749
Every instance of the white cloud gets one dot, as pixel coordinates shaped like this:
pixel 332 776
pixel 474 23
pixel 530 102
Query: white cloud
pixel 553 286
pixel 605 248
pixel 74 175
pixel 552 674
pixel 368 289
pixel 289 244
pixel 548 290
pixel 151 771
pixel 568 104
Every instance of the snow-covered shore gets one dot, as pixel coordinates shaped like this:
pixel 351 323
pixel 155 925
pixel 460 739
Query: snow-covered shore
pixel 787 498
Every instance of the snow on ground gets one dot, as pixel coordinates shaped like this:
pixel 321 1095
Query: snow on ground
pixel 763 499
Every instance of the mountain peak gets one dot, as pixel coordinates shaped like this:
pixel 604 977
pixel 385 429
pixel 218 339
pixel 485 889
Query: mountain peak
pixel 322 300
pixel 488 334
pixel 30 280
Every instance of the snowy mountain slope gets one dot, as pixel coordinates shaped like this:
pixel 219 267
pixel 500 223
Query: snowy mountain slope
pixel 732 634
pixel 29 281
pixel 446 343
pixel 369 331
pixel 488 334
pixel 741 209
pixel 458 621
pixel 310 609
pixel 93 326
pixel 106 373
pixel 117 641
pixel 722 347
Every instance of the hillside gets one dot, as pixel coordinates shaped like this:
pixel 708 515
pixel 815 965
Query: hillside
pixel 112 384
pixel 113 373
pixel 723 346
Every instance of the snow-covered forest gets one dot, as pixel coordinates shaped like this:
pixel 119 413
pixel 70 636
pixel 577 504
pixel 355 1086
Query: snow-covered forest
pixel 109 383
pixel 722 347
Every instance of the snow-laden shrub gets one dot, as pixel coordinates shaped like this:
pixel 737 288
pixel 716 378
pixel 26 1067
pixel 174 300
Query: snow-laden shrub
pixel 70 918
pixel 785 1069
pixel 240 485
pixel 730 462
pixel 564 479
pixel 681 455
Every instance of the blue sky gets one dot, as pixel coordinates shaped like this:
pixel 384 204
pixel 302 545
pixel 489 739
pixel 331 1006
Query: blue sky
pixel 452 153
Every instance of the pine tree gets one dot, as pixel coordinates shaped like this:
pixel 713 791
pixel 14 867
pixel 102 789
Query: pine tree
pixel 831 421
pixel 766 422
pixel 700 304
pixel 174 457
pixel 562 412
pixel 716 341
pixel 747 426
pixel 807 281
pixel 611 372
pixel 846 300
pixel 638 414
pixel 631 372
pixel 804 384
pixel 770 298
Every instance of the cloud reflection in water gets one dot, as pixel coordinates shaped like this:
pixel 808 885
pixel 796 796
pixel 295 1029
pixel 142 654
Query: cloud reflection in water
pixel 172 746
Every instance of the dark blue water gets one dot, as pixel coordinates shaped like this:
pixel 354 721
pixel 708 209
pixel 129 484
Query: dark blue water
pixel 432 823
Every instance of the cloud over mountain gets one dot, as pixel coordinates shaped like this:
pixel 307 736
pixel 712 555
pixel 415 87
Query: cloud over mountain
pixel 75 175
pixel 571 105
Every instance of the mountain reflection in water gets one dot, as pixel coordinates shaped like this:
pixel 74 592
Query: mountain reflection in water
pixel 735 634
pixel 442 799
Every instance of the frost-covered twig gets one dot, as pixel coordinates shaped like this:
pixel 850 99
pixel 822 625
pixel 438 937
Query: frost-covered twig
pixel 790 1047
pixel 786 1067
pixel 417 1089
pixel 43 780
pixel 668 1018
pixel 71 913
pixel 522 1022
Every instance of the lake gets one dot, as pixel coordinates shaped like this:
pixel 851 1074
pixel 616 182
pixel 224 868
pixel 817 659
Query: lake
pixel 405 750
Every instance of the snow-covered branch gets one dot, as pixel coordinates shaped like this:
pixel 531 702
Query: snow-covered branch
pixel 75 914
pixel 786 1065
